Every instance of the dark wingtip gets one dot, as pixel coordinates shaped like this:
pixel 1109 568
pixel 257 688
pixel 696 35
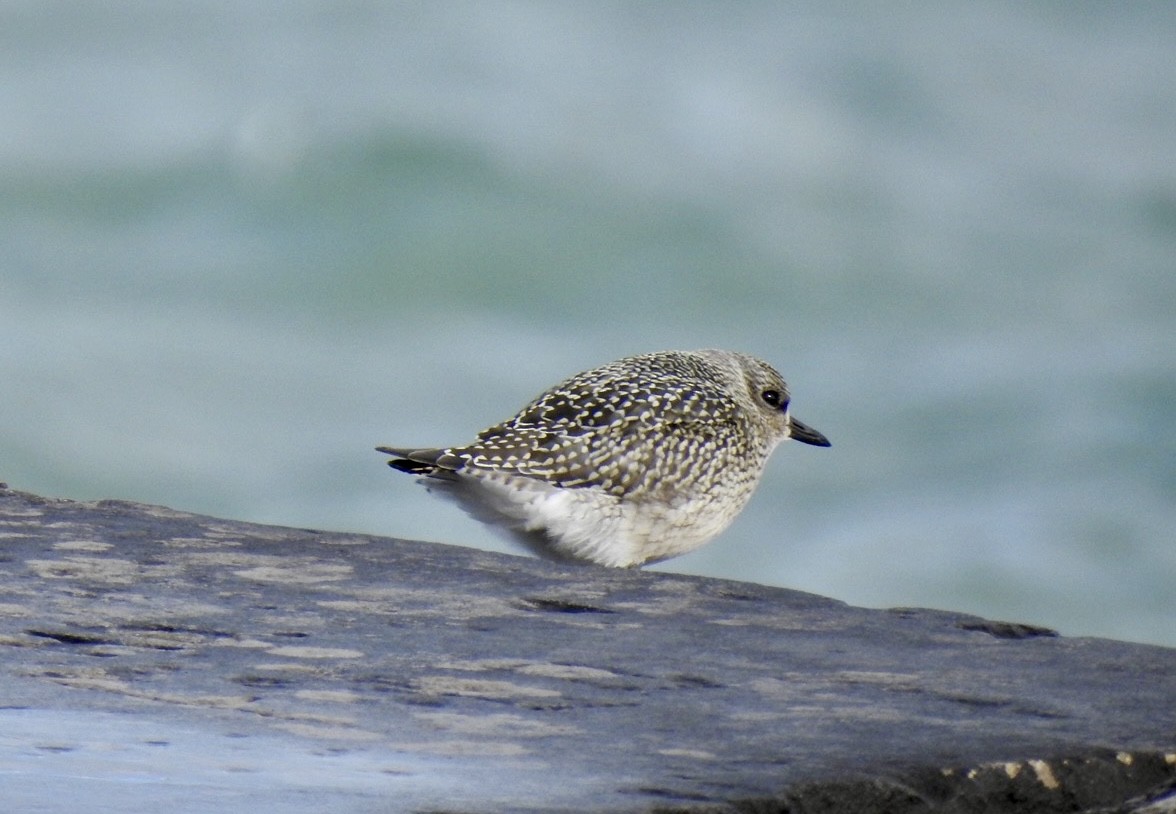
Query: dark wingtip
pixel 414 461
pixel 411 467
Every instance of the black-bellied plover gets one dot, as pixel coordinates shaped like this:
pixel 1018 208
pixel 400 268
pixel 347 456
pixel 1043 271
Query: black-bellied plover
pixel 634 462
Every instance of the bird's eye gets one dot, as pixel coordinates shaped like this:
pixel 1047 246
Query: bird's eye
pixel 774 398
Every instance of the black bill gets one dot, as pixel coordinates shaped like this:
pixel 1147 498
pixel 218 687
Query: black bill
pixel 799 431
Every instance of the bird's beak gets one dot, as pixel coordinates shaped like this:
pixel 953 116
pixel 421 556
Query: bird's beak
pixel 799 431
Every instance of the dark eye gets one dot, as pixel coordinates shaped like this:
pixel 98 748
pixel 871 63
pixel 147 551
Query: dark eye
pixel 773 398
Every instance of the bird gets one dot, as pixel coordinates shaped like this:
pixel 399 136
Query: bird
pixel 624 465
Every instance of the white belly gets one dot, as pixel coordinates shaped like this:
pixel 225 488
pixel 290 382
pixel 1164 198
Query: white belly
pixel 586 524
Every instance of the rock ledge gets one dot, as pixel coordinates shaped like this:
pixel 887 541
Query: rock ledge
pixel 156 660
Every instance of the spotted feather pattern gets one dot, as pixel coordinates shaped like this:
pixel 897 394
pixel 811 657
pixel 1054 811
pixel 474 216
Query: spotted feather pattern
pixel 628 463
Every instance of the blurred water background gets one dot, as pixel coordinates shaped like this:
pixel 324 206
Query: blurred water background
pixel 242 243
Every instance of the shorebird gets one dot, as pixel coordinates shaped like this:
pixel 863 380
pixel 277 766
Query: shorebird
pixel 634 462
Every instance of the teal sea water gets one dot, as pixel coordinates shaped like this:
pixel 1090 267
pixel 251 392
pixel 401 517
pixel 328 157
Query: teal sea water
pixel 243 243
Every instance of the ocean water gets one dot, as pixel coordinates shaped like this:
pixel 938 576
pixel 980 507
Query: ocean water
pixel 243 243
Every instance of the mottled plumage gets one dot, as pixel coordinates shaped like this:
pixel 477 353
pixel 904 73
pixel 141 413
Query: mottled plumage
pixel 634 462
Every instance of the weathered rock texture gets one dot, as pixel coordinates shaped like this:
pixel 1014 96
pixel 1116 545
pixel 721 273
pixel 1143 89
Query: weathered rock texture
pixel 154 660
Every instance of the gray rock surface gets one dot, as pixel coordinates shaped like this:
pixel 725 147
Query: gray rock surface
pixel 154 660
